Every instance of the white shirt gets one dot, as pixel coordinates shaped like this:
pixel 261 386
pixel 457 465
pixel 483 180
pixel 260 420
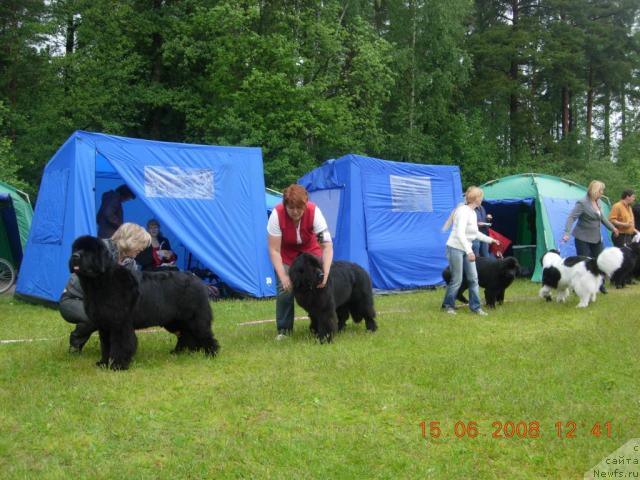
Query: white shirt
pixel 319 226
pixel 465 230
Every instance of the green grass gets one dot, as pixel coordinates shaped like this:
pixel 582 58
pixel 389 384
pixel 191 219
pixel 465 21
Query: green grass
pixel 352 409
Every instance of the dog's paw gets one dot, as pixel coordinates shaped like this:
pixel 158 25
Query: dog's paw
pixel 325 339
pixel 102 364
pixel 115 366
pixel 118 364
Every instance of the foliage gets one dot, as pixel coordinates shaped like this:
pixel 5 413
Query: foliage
pixel 494 86
pixel 8 163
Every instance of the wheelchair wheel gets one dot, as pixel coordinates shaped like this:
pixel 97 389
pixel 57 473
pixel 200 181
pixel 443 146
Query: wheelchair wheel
pixel 7 275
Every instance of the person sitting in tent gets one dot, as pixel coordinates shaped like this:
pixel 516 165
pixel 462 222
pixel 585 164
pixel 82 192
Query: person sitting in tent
pixel 125 244
pixel 293 228
pixel 158 255
pixel 109 216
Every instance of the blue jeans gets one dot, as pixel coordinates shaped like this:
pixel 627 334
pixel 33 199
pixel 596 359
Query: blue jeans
pixel 459 264
pixel 481 249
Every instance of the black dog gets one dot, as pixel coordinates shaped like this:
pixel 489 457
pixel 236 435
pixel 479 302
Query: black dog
pixel 119 301
pixel 619 264
pixel 494 275
pixel 348 291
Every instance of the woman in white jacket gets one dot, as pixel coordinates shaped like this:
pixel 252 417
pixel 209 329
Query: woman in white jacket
pixel 460 252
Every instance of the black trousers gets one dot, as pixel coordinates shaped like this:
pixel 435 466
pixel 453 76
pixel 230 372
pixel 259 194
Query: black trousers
pixel 587 249
pixel 72 310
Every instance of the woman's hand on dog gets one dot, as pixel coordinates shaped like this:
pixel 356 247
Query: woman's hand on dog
pixel 323 283
pixel 286 283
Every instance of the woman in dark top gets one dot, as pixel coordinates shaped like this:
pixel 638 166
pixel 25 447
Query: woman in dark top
pixel 159 254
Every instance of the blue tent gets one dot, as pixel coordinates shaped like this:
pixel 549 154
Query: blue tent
pixel 272 198
pixel 209 200
pixel 387 216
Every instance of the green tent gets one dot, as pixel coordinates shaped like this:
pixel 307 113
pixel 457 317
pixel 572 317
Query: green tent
pixel 15 221
pixel 531 210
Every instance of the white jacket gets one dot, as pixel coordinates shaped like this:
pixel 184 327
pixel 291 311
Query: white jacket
pixel 465 230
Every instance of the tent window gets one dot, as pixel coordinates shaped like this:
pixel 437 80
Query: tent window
pixel 51 209
pixel 410 193
pixel 175 182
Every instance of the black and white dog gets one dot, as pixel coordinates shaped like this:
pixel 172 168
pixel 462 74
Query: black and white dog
pixel 619 264
pixel 580 274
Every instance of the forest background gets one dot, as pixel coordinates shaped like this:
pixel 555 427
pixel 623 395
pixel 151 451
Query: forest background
pixel 496 87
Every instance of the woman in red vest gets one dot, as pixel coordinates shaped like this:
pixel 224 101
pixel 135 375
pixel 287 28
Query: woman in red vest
pixel 295 226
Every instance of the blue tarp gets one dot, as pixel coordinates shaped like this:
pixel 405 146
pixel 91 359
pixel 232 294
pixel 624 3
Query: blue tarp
pixel 272 200
pixel 558 210
pixel 209 200
pixel 387 216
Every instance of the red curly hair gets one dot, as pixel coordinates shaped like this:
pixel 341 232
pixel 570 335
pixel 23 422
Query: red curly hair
pixel 295 196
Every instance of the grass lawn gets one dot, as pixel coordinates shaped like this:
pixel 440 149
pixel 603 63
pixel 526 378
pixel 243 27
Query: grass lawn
pixel 352 409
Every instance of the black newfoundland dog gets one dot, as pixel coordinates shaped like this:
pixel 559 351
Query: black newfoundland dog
pixel 494 275
pixel 119 301
pixel 348 291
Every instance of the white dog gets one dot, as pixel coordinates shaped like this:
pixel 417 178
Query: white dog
pixel 580 274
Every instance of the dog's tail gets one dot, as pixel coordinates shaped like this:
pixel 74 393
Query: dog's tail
pixel 610 260
pixel 446 275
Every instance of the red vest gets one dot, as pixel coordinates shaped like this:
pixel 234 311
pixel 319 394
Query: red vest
pixel 289 248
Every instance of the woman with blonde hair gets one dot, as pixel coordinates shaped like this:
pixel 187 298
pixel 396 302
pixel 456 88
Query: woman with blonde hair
pixel 460 254
pixel 125 244
pixel 589 215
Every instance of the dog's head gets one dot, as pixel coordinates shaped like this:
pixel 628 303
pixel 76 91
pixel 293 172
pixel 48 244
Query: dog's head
pixel 510 268
pixel 306 272
pixel 90 257
pixel 552 252
pixel 551 258
pixel 635 248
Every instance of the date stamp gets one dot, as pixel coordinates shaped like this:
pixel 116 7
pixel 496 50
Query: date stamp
pixel 522 429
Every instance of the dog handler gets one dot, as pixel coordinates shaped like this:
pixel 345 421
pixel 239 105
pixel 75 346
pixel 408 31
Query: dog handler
pixel 125 244
pixel 589 215
pixel 460 254
pixel 295 226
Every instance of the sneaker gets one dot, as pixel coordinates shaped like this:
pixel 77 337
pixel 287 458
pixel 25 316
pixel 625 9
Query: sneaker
pixel 281 336
pixel 481 312
pixel 450 311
